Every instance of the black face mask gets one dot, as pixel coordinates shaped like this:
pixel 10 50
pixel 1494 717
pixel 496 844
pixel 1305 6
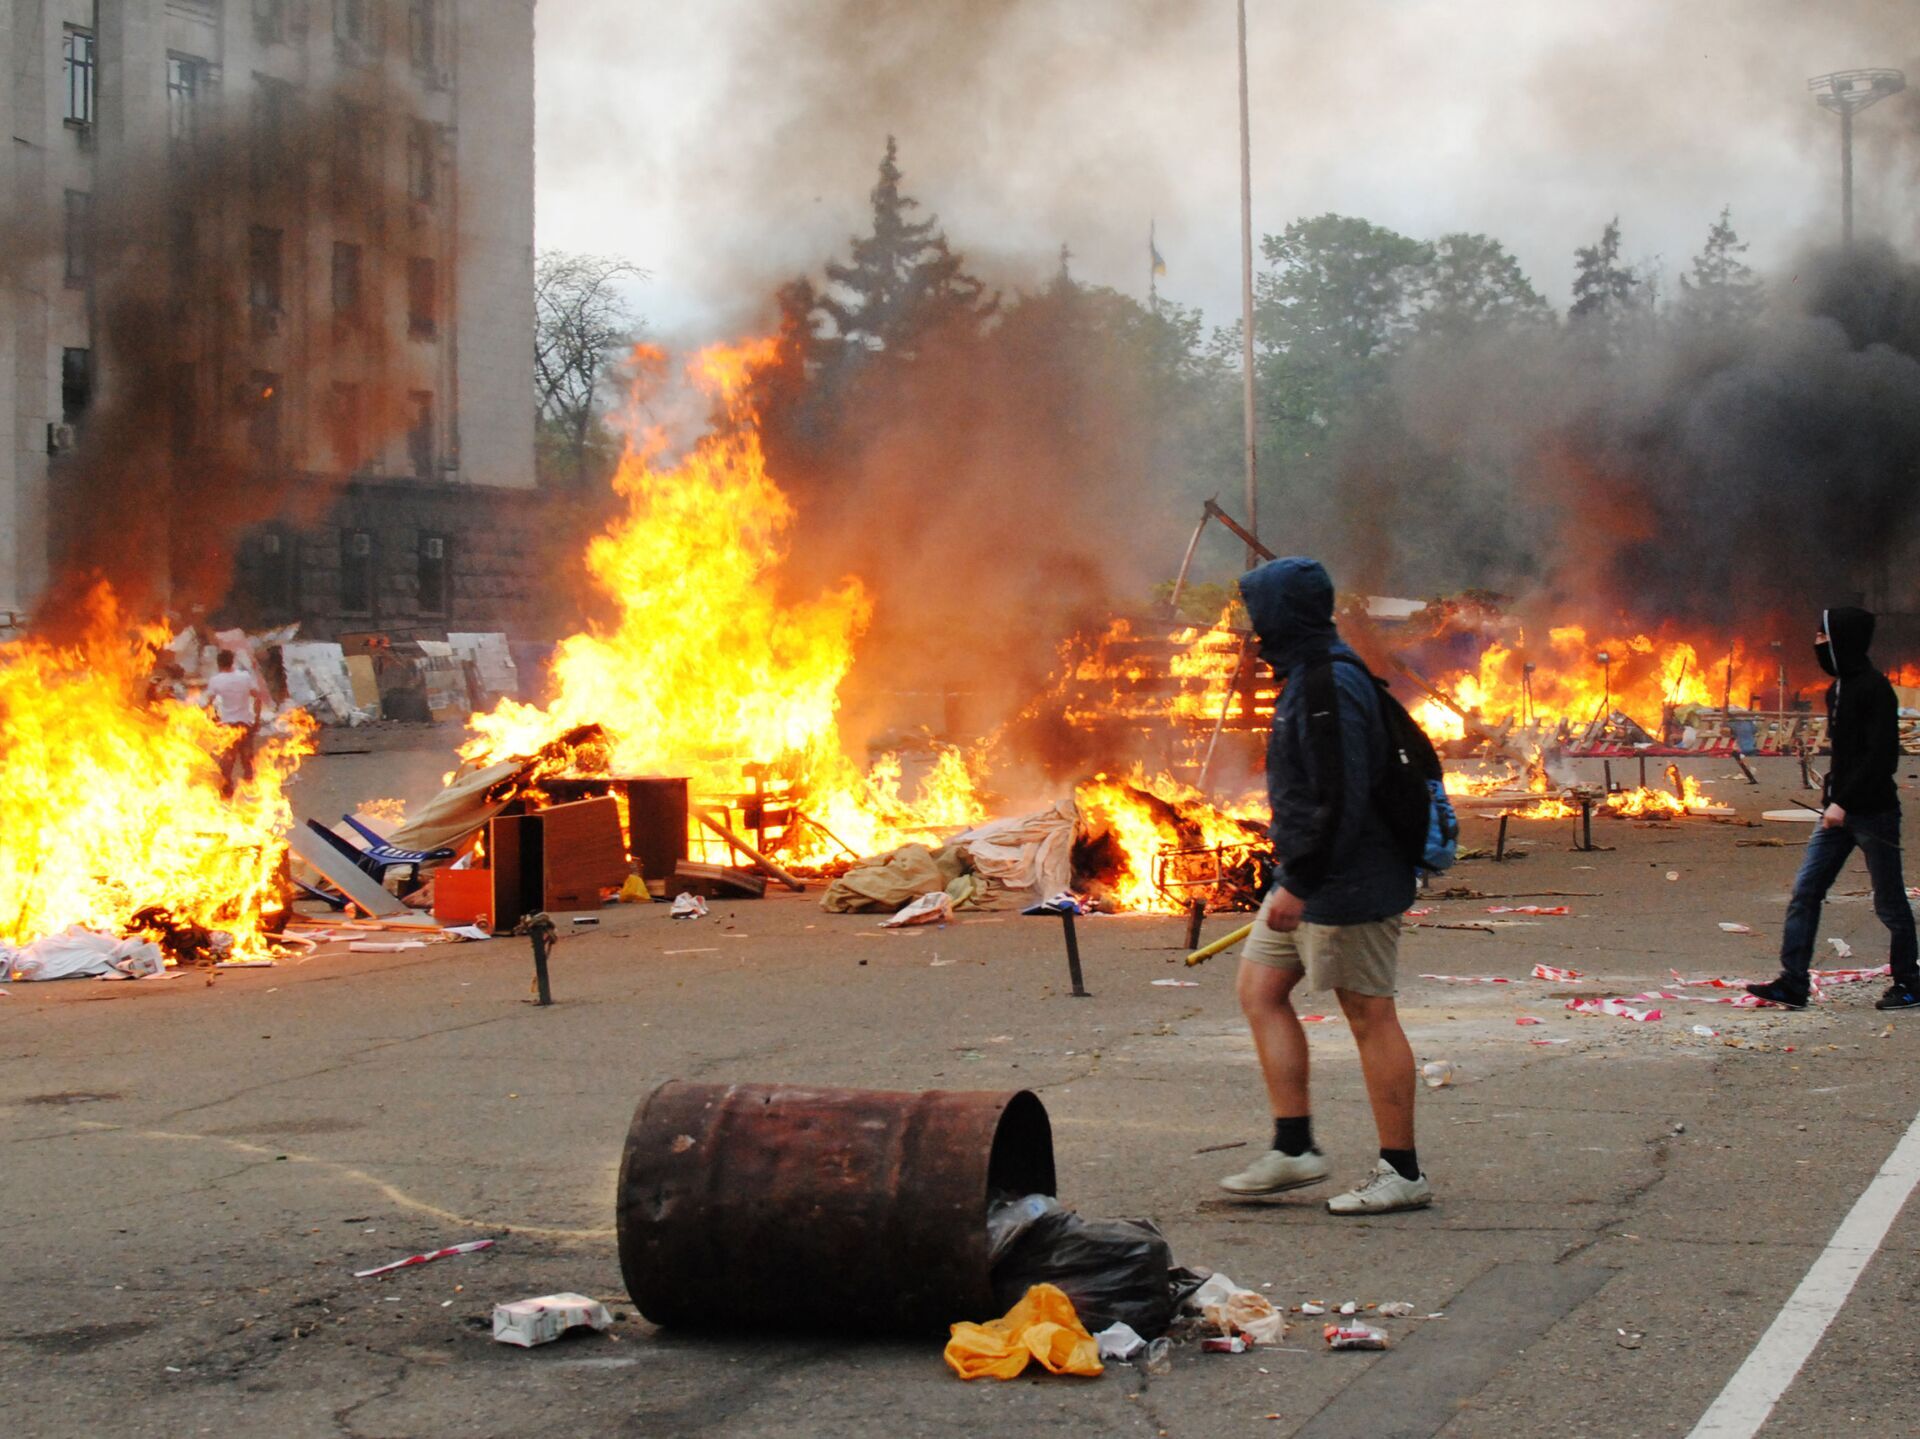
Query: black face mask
pixel 1823 651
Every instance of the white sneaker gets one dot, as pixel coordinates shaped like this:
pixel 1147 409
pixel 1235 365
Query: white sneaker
pixel 1275 1173
pixel 1383 1192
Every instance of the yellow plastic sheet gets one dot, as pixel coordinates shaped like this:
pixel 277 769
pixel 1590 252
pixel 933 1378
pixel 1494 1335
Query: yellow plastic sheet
pixel 1041 1326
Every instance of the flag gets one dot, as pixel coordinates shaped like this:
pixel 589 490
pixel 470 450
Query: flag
pixel 1153 254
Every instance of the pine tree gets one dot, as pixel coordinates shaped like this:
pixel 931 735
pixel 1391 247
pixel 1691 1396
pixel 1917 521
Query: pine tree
pixel 1604 289
pixel 1722 292
pixel 902 281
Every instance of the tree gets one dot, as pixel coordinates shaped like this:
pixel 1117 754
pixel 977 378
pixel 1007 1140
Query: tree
pixel 1470 281
pixel 1605 289
pixel 901 282
pixel 1722 293
pixel 582 323
pixel 1340 287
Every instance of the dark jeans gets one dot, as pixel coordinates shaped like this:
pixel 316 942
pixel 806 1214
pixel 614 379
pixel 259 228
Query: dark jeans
pixel 236 763
pixel 1878 836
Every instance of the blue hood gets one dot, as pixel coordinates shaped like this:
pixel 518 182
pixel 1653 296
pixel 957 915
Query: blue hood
pixel 1290 602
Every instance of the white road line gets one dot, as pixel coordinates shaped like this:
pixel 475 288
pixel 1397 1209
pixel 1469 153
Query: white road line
pixel 1748 1400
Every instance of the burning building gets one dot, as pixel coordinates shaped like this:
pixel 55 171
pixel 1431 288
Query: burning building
pixel 275 316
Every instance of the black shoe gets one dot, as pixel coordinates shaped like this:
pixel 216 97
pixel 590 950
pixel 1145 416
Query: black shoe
pixel 1779 991
pixel 1898 996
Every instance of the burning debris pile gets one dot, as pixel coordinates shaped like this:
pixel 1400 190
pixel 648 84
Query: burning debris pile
pixel 114 821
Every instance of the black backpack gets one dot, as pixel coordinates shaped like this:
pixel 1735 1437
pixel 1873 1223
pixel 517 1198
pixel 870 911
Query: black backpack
pixel 1411 792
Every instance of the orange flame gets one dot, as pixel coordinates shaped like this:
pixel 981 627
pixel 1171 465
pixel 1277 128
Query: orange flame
pixel 112 805
pixel 706 672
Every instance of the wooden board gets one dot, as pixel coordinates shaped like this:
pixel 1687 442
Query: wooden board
pixel 583 853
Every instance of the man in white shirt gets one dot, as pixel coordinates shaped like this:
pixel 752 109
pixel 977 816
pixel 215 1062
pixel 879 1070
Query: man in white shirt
pixel 234 697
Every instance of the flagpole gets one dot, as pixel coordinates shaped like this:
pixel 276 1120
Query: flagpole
pixel 1153 267
pixel 1246 299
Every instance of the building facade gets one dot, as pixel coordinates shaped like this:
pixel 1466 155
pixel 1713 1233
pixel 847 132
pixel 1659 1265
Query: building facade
pixel 325 208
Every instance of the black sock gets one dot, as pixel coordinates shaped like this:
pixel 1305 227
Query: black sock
pixel 1406 1162
pixel 1293 1137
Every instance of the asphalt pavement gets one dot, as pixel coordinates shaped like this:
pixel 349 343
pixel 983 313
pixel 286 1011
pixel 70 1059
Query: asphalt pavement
pixel 196 1166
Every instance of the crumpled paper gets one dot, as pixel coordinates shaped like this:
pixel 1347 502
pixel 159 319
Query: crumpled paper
pixel 1233 1310
pixel 1042 1326
pixel 933 908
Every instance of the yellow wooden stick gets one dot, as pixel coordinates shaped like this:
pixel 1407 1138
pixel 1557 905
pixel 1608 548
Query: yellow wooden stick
pixel 1226 941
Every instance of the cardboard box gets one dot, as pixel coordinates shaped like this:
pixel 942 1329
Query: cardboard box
pixel 464 896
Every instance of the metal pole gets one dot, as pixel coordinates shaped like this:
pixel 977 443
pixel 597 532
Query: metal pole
pixel 1246 296
pixel 1846 175
pixel 541 932
pixel 1196 915
pixel 1073 958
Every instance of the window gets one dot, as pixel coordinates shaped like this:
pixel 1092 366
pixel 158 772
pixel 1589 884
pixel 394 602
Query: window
pixel 352 28
pixel 186 84
pixel 263 416
pixel 346 278
pixel 78 66
pixel 422 298
pixel 420 445
pixel 180 261
pixel 422 33
pixel 180 429
pixel 350 131
pixel 347 423
pixel 79 237
pixel 272 577
pixel 356 572
pixel 431 571
pixel 76 385
pixel 421 161
pixel 263 270
pixel 269 21
pixel 272 125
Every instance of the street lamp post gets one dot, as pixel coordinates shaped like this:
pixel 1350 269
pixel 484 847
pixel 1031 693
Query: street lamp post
pixel 1846 93
pixel 1246 300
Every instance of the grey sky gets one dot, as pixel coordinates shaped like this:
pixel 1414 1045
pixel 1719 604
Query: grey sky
pixel 729 144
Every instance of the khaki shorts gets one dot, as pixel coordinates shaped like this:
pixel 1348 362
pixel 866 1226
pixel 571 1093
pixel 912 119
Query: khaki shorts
pixel 1359 958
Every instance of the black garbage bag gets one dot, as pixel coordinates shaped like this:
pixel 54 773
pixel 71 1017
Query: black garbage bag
pixel 1112 1269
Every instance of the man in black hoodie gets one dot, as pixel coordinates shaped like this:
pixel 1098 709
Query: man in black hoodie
pixel 1862 808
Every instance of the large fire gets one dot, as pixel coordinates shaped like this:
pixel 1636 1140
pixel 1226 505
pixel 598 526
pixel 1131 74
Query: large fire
pixel 706 672
pixel 110 804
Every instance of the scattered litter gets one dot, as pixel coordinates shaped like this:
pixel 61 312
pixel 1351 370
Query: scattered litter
pixel 1438 1074
pixel 1419 913
pixel 687 905
pixel 933 908
pixel 1316 1019
pixel 633 890
pixel 528 1322
pixel 1468 978
pixel 1628 1340
pixel 472 1246
pixel 1672 875
pixel 1557 975
pixel 468 931
pixel 1064 902
pixel 1850 976
pixel 1528 1019
pixel 1728 927
pixel 1119 1341
pixel 1542 1042
pixel 585 919
pixel 1042 1326
pixel 1398 1309
pixel 1354 1336
pixel 1176 983
pixel 77 952
pixel 1225 1344
pixel 384 946
pixel 1706 1033
pixel 1311 1308
pixel 709 950
pixel 1616 1007
pixel 1718 983
pixel 1234 1311
pixel 1352 1306
pixel 1158 1360
pixel 1841 949
pixel 1539 909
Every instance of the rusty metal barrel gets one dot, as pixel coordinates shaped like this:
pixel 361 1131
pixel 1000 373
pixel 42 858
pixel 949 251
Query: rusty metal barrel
pixel 780 1206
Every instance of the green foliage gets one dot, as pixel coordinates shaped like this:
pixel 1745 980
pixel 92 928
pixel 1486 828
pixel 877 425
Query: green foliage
pixel 1203 604
pixel 1469 283
pixel 1605 289
pixel 901 281
pixel 1722 293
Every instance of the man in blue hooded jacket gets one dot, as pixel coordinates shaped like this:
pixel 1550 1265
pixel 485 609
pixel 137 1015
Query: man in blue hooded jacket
pixel 1332 918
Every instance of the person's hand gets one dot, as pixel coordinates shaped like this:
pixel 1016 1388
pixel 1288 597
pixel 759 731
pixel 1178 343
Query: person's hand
pixel 1285 912
pixel 1832 817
